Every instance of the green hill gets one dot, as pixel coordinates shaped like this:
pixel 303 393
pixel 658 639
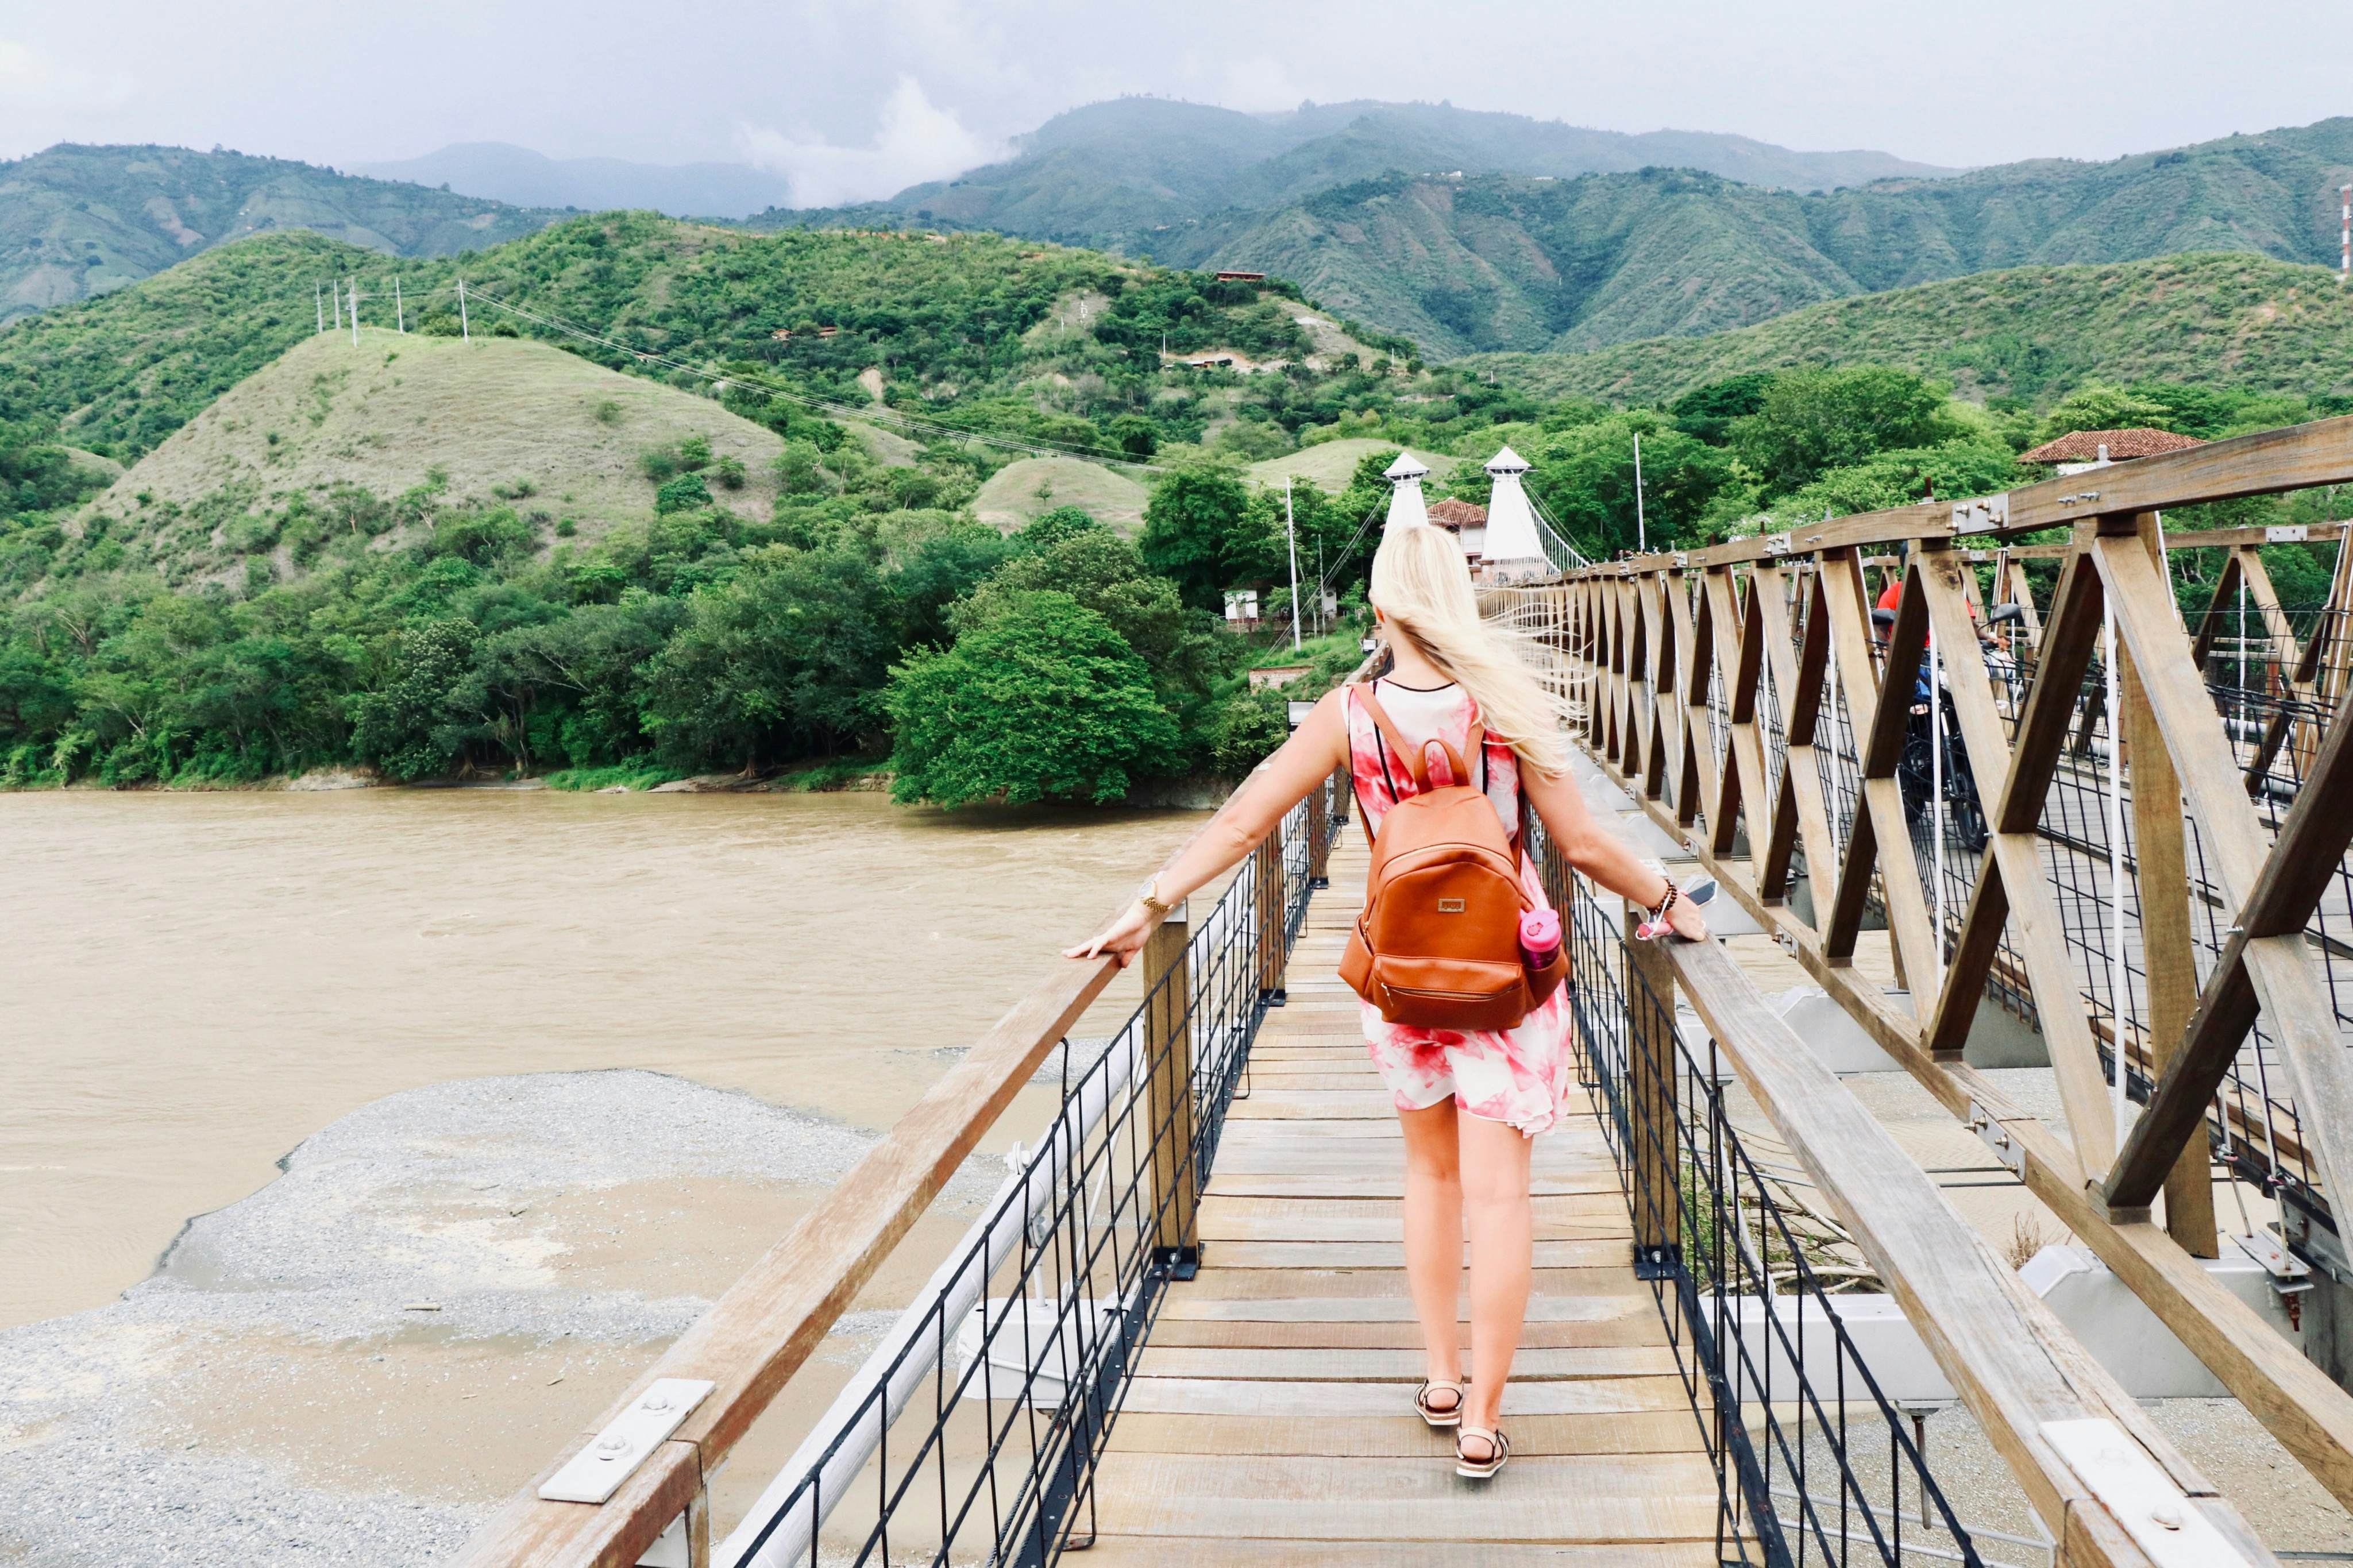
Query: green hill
pixel 1030 486
pixel 76 221
pixel 494 420
pixel 1494 263
pixel 940 328
pixel 2227 321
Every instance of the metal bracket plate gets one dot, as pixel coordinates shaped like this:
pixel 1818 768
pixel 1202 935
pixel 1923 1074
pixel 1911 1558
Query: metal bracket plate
pixel 1996 1137
pixel 613 1455
pixel 2285 534
pixel 2159 1515
pixel 1979 515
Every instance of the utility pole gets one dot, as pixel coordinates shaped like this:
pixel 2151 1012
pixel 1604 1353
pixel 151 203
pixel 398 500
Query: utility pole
pixel 2345 213
pixel 1291 533
pixel 356 311
pixel 399 315
pixel 319 304
pixel 1641 529
pixel 465 329
pixel 335 294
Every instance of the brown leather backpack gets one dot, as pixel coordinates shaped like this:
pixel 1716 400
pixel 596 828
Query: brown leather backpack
pixel 1437 943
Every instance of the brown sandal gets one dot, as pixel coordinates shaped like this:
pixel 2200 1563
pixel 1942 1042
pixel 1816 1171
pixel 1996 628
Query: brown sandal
pixel 1499 1450
pixel 1431 1415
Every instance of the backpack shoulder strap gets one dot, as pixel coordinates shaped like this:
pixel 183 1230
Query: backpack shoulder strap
pixel 1405 749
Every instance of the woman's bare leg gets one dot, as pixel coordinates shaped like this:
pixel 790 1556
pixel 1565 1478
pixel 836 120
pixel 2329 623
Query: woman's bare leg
pixel 1434 1235
pixel 1502 1221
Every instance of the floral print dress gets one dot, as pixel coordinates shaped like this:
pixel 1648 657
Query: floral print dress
pixel 1519 1076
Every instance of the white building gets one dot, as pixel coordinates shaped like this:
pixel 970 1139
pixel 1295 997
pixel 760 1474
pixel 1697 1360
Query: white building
pixel 1407 508
pixel 1512 547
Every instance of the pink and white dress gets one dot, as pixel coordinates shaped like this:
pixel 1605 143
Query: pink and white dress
pixel 1519 1076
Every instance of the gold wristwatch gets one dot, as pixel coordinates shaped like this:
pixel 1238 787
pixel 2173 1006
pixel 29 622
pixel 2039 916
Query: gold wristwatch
pixel 1149 896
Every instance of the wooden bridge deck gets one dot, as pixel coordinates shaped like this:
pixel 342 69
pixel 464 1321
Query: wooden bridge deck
pixel 1271 1418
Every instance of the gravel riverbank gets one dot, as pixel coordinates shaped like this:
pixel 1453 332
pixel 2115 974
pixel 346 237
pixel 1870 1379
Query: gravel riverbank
pixel 355 1362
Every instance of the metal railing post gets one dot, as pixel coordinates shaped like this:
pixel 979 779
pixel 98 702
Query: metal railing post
pixel 1168 1047
pixel 1319 835
pixel 1274 922
pixel 1652 1155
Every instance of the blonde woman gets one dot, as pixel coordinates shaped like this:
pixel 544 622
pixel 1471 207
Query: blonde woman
pixel 1470 1103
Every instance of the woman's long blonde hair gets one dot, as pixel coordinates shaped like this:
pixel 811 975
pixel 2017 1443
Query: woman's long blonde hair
pixel 1422 585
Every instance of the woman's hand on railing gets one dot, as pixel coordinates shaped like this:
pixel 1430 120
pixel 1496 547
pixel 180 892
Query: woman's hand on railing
pixel 1685 920
pixel 1122 940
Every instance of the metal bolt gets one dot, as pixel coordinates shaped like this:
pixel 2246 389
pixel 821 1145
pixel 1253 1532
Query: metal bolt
pixel 2167 1516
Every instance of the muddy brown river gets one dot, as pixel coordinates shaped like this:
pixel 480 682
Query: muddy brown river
pixel 193 983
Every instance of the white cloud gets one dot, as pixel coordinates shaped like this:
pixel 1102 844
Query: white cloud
pixel 30 78
pixel 917 141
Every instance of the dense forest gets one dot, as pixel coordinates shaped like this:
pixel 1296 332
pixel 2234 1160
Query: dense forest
pixel 862 618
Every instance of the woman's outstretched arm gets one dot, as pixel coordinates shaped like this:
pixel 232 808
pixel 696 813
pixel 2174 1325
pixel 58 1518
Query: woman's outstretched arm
pixel 1315 749
pixel 1602 855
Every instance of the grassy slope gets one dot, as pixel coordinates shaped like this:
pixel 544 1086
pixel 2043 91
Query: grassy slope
pixel 2236 320
pixel 76 221
pixel 1329 465
pixel 1510 263
pixel 1023 489
pixel 385 414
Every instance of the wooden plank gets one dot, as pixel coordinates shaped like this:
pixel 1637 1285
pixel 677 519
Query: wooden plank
pixel 1167 1551
pixel 1298 1306
pixel 1344 1364
pixel 1640 1325
pixel 2170 961
pixel 1586 1497
pixel 1400 1435
pixel 2296 457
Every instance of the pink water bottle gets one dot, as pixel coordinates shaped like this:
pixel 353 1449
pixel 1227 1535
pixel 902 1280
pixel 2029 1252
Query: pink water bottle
pixel 1539 939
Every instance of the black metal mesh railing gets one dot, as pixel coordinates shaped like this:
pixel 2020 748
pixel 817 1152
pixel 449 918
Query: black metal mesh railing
pixel 973 1431
pixel 1814 1462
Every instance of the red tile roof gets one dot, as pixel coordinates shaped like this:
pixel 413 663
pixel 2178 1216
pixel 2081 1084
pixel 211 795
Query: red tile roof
pixel 2084 446
pixel 1458 514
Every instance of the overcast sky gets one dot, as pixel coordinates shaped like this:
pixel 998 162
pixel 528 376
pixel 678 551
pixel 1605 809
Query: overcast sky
pixel 859 99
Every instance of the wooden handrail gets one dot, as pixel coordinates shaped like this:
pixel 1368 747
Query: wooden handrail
pixel 2006 1353
pixel 760 1333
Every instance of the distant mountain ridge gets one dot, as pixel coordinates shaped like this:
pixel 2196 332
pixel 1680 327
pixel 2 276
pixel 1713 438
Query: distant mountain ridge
pixel 1496 263
pixel 1112 173
pixel 2229 319
pixel 500 171
pixel 80 220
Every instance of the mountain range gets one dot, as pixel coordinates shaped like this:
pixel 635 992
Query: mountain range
pixel 1116 173
pixel 1496 262
pixel 503 172
pixel 80 220
pixel 1467 232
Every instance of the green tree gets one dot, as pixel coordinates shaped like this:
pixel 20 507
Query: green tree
pixel 1585 480
pixel 786 657
pixel 1809 421
pixel 685 493
pixel 1040 701
pixel 414 723
pixel 1190 526
pixel 1707 412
